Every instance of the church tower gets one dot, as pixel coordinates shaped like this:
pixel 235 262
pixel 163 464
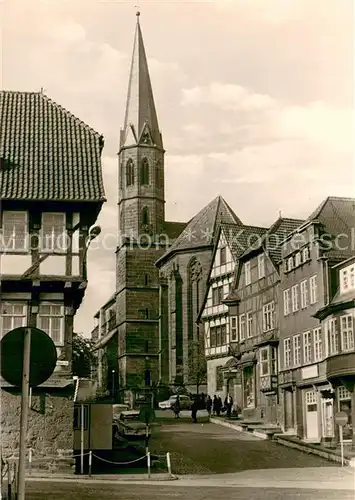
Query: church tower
pixel 141 154
pixel 141 212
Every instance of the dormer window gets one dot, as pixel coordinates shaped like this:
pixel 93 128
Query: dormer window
pixel 305 254
pixel 347 279
pixel 144 172
pixel 290 263
pixel 130 172
pixel 14 231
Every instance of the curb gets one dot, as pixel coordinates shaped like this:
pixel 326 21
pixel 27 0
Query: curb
pixel 328 455
pixel 100 478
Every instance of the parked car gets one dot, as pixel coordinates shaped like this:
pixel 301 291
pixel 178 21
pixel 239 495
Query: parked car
pixel 185 402
pixel 127 425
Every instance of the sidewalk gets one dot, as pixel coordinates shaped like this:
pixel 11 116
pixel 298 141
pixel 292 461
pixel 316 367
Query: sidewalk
pixel 263 431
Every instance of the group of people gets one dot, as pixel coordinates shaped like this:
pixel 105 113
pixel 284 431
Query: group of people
pixel 214 406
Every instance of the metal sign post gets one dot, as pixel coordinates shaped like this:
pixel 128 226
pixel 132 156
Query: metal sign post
pixel 24 413
pixel 82 439
pixel 341 419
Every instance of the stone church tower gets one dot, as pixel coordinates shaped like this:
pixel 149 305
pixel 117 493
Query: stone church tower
pixel 141 224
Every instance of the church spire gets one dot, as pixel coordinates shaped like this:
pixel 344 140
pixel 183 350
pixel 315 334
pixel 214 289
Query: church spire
pixel 141 122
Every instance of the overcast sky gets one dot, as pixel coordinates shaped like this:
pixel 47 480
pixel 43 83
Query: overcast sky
pixel 254 99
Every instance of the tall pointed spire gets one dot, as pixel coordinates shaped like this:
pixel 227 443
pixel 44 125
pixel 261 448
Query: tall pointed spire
pixel 141 122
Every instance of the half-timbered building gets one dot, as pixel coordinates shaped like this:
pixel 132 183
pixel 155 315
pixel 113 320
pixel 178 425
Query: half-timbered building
pixel 219 329
pixel 51 192
pixel 257 297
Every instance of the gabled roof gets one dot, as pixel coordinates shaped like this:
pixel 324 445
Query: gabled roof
pixel 272 240
pixel 141 122
pixel 239 237
pixel 337 215
pixel 202 229
pixel 47 153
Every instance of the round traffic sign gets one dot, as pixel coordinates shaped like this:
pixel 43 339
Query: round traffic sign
pixel 43 356
pixel 341 418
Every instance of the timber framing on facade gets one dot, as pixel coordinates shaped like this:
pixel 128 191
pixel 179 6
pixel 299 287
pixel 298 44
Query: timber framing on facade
pixel 51 193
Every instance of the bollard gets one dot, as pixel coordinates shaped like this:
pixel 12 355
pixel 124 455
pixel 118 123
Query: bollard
pixel 148 463
pixel 30 460
pixel 168 463
pixel 90 462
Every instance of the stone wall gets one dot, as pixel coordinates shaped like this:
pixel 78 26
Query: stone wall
pixel 50 424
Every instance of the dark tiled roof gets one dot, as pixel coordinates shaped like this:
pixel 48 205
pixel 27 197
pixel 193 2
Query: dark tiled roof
pixel 272 239
pixel 337 216
pixel 201 230
pixel 47 153
pixel 240 238
pixel 173 229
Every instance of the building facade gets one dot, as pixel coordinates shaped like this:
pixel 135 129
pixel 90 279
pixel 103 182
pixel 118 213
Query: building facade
pixel 337 325
pixel 46 211
pixel 307 255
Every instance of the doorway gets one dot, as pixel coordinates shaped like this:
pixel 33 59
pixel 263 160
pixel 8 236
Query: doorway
pixel 288 408
pixel 311 407
pixel 327 418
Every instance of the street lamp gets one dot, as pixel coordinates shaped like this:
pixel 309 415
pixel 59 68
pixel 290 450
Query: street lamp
pixel 93 233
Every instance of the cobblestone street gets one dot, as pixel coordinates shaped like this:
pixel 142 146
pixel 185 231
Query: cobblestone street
pixel 206 448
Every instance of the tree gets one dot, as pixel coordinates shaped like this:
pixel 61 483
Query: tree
pixel 198 365
pixel 83 356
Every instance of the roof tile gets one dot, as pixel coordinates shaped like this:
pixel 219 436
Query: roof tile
pixel 47 153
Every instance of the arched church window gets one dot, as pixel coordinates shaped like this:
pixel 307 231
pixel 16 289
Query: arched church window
pixel 130 172
pixel 145 172
pixel 145 216
pixel 157 174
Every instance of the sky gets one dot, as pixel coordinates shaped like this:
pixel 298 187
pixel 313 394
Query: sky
pixel 254 99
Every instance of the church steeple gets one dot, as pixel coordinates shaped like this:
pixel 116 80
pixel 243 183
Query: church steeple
pixel 141 196
pixel 141 122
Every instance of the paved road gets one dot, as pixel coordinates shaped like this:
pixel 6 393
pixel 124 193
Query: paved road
pixel 212 449
pixel 72 491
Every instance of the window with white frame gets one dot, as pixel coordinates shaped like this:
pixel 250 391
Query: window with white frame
pixel 307 347
pixel 13 315
pixel 51 320
pixel 261 266
pixel 247 273
pixel 347 279
pixel 297 259
pixel 313 290
pixel 347 332
pixel 14 231
pixel 287 353
pixel 217 295
pixel 296 344
pixel 222 255
pixel 242 327
pixel 290 263
pixel 305 254
pixel 264 362
pixel 233 328
pixel 294 298
pixel 286 302
pixel 304 294
pixel 53 232
pixel 333 336
pixel 249 324
pixel 269 316
pixel 317 342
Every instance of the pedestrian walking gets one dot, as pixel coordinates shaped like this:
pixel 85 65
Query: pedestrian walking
pixel 209 405
pixel 219 406
pixel 194 408
pixel 176 407
pixel 228 403
pixel 214 405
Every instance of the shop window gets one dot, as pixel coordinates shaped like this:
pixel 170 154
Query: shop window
pixel 249 387
pixel 219 378
pixel 344 404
